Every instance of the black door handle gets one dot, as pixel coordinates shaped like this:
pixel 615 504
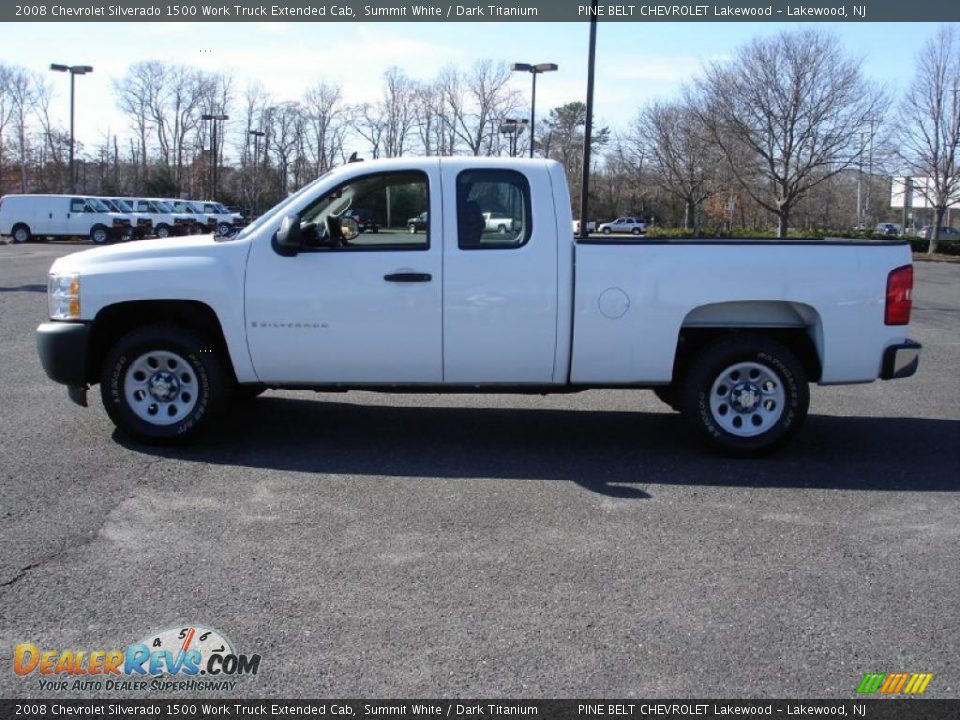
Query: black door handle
pixel 408 277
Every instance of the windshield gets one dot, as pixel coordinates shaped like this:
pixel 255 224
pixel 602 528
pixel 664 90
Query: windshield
pixel 160 206
pixel 123 205
pixel 98 205
pixel 278 210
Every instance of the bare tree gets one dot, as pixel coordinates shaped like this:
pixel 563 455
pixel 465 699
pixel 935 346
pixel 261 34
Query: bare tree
pixel 787 112
pixel 681 154
pixel 929 127
pixel 324 110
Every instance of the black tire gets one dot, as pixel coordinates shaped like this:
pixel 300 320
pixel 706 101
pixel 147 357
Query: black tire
pixel 636 231
pixel 411 228
pixel 198 367
pixel 668 395
pixel 606 231
pixel 99 235
pixel 20 234
pixel 502 229
pixel 223 229
pixel 727 407
pixel 162 231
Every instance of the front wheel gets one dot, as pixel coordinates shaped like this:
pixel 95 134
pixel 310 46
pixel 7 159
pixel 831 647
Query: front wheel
pixel 161 383
pixel 606 231
pixel 162 231
pixel 223 229
pixel 636 231
pixel 99 235
pixel 745 395
pixel 412 229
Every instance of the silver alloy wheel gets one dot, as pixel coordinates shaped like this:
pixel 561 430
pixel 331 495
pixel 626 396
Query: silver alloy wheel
pixel 160 387
pixel 163 232
pixel 223 229
pixel 99 235
pixel 747 399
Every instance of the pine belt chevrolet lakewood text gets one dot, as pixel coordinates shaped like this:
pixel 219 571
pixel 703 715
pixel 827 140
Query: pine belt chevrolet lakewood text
pixel 728 332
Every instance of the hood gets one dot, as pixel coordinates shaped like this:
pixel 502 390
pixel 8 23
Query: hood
pixel 190 246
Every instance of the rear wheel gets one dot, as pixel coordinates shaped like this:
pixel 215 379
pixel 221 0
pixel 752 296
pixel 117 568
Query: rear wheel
pixel 20 234
pixel 745 395
pixel 412 229
pixel 161 383
pixel 636 231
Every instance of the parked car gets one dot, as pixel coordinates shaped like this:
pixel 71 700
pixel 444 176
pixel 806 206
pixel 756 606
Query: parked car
pixel 949 234
pixel 591 226
pixel 633 225
pixel 293 301
pixel 23 217
pixel 887 229
pixel 418 223
pixel 364 220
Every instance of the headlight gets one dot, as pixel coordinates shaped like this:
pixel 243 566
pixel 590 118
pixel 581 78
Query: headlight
pixel 63 296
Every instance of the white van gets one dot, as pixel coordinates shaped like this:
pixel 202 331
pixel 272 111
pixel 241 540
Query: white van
pixel 142 224
pixel 165 221
pixel 224 220
pixel 25 216
pixel 203 224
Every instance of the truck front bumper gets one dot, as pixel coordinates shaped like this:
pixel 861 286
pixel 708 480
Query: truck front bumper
pixel 63 347
pixel 900 360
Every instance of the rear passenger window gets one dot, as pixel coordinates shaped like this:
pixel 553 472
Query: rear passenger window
pixel 493 210
pixel 77 206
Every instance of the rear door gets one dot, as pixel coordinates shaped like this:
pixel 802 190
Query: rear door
pixel 499 288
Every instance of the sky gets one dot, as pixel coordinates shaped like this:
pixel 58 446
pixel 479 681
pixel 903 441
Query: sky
pixel 636 61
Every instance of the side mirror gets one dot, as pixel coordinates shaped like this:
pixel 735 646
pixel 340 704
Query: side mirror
pixel 349 229
pixel 287 241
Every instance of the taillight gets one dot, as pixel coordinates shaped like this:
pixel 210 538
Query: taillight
pixel 899 288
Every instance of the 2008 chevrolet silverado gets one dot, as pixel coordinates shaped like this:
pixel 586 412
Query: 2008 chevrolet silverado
pixel 728 332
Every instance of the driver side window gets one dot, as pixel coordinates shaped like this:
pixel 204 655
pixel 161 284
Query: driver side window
pixel 370 212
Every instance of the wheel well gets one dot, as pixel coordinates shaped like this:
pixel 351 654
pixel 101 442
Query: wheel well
pixel 798 340
pixel 115 321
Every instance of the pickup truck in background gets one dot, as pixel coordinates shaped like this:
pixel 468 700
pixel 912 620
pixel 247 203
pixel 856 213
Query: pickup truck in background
pixel 728 332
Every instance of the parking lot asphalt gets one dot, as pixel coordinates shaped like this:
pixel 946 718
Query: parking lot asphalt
pixel 380 546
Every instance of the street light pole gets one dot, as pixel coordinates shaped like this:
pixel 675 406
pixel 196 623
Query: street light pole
pixel 257 134
pixel 213 148
pixel 588 125
pixel 512 128
pixel 533 70
pixel 74 70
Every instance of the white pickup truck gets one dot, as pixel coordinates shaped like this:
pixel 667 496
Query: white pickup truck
pixel 729 332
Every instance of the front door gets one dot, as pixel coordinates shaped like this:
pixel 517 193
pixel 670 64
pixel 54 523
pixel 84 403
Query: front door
pixel 361 310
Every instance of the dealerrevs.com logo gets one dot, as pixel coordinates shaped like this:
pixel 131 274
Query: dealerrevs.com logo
pixel 190 658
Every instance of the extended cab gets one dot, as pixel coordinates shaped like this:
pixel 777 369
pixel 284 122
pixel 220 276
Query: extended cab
pixel 729 332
